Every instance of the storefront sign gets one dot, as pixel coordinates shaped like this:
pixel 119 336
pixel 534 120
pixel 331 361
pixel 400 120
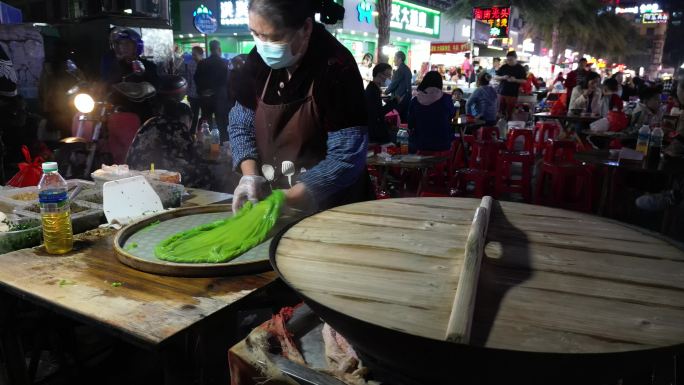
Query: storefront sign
pixel 496 17
pixel 234 12
pixel 437 48
pixel 406 17
pixel 654 18
pixel 643 8
pixel 204 20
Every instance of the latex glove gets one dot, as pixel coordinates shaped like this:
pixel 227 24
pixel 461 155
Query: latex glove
pixel 251 188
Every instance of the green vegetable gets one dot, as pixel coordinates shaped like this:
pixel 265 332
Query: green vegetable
pixel 117 284
pixel 223 240
pixel 65 282
pixel 131 246
pixel 22 226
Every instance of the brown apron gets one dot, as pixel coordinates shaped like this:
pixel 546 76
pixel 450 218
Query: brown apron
pixel 293 132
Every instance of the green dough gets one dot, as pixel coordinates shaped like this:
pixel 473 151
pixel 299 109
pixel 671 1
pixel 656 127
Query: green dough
pixel 223 240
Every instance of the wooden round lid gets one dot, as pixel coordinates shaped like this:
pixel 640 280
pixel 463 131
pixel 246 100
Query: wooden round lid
pixel 550 281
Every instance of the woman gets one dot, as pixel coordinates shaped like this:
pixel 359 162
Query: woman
pixel 459 101
pixel 300 111
pixel 167 140
pixel 430 114
pixel 482 103
pixel 619 78
pixel 366 69
pixel 587 96
pixel 611 97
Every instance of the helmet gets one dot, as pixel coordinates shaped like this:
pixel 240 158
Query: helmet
pixel 129 34
pixel 172 87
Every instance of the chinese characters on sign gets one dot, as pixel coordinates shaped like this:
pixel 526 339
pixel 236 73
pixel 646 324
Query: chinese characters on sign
pixel 436 48
pixel 654 18
pixel 496 17
pixel 234 12
pixel 411 18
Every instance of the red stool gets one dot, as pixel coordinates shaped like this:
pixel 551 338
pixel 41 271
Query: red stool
pixel 571 183
pixel 488 133
pixel 542 132
pixel 482 168
pixel 503 176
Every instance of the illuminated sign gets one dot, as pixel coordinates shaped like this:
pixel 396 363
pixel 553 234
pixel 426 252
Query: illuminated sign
pixel 406 17
pixel 496 17
pixel 654 18
pixel 449 47
pixel 643 8
pixel 204 20
pixel 234 12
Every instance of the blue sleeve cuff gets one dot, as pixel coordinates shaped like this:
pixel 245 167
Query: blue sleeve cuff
pixel 343 165
pixel 242 134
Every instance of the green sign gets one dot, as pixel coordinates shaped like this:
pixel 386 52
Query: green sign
pixel 406 17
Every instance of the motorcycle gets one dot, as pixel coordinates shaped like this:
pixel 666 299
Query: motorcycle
pixel 101 131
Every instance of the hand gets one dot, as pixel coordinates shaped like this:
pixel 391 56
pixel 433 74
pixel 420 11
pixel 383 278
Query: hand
pixel 251 188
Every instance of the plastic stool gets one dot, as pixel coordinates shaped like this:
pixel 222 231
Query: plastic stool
pixel 503 176
pixel 481 170
pixel 566 176
pixel 488 133
pixel 544 131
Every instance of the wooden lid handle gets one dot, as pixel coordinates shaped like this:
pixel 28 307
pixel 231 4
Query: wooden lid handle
pixel 460 320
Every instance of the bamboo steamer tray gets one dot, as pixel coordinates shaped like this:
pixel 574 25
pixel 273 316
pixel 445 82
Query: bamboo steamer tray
pixel 437 289
pixel 172 222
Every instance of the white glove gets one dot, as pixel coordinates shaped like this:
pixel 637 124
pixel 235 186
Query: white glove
pixel 251 188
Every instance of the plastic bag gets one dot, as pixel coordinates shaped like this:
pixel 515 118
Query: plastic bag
pixel 29 172
pixel 618 121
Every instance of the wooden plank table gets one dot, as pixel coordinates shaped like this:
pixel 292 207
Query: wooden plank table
pixel 422 166
pixel 153 312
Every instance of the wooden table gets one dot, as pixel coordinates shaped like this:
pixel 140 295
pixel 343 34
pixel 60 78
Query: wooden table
pixel 421 166
pixel 150 311
pixel 603 159
pixel 200 197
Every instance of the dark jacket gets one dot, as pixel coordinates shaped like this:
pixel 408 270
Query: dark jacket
pixel 211 77
pixel 121 69
pixel 378 131
pixel 401 82
pixel 429 121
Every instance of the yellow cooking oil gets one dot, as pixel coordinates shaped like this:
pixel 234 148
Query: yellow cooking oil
pixel 57 233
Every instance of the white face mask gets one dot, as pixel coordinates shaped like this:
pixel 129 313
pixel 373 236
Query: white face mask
pixel 276 55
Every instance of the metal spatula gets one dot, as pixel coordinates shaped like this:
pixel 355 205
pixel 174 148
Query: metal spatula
pixel 288 169
pixel 268 171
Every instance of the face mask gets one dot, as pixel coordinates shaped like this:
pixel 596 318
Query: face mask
pixel 276 55
pixel 388 82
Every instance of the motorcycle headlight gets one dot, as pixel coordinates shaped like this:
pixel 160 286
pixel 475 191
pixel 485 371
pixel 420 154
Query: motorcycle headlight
pixel 84 103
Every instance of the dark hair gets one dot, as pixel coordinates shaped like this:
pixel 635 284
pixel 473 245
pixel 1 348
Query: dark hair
pixel 467 55
pixel 431 79
pixel 582 60
pixel 401 55
pixel 584 84
pixel 456 90
pixel 511 53
pixel 380 68
pixel 214 46
pixel 648 93
pixel 484 79
pixel 198 49
pixel 283 14
pixel 497 59
pixel 611 84
pixel 367 55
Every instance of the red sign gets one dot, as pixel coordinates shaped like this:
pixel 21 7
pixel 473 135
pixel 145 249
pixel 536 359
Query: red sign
pixel 449 47
pixel 496 17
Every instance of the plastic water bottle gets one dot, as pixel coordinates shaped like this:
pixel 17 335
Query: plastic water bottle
pixel 215 141
pixel 403 140
pixel 55 211
pixel 654 148
pixel 642 139
pixel 205 135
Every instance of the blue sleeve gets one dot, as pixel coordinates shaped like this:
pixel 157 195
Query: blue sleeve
pixel 242 135
pixel 396 81
pixel 471 104
pixel 342 166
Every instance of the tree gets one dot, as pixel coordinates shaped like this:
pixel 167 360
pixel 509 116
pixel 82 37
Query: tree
pixel 384 9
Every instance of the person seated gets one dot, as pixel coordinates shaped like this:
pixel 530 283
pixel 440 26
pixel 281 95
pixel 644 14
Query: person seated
pixel 430 115
pixel 587 96
pixel 167 140
pixel 612 100
pixel 459 100
pixel 482 103
pixel 647 112
pixel 378 130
